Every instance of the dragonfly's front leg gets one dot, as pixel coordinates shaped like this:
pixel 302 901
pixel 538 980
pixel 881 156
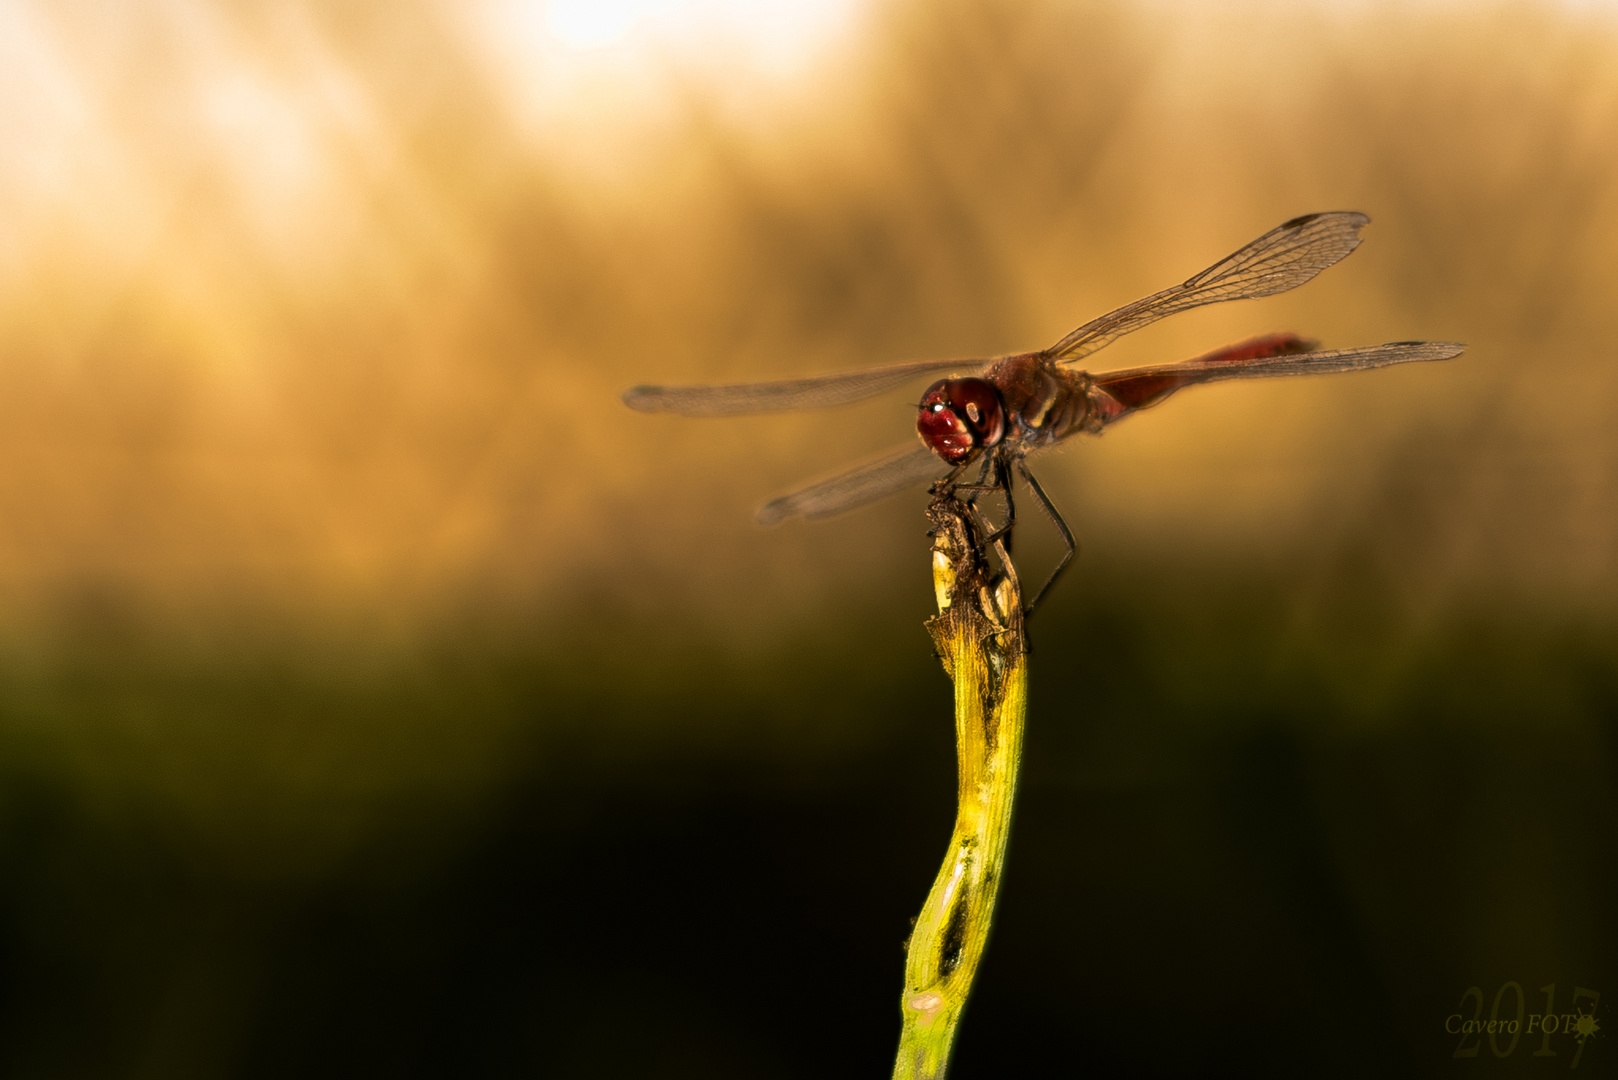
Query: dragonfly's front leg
pixel 995 476
pixel 982 484
pixel 1061 527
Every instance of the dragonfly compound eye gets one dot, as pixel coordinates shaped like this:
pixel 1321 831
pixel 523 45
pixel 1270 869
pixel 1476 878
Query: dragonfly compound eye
pixel 959 417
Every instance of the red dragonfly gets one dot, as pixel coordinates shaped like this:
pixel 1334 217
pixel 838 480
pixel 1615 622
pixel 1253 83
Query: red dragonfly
pixel 1001 409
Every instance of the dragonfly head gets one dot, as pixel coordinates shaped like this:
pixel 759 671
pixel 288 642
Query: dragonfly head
pixel 959 417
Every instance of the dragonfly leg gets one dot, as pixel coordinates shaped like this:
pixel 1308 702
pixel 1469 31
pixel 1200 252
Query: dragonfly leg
pixel 1002 478
pixel 947 483
pixel 1061 527
pixel 982 486
pixel 995 476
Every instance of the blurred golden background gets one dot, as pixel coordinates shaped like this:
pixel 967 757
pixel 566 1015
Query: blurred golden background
pixel 378 693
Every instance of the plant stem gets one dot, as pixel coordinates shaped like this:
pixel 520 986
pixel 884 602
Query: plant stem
pixel 980 638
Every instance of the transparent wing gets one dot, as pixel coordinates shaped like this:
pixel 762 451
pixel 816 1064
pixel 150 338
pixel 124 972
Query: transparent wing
pixel 1281 259
pixel 908 466
pixel 1138 388
pixel 814 393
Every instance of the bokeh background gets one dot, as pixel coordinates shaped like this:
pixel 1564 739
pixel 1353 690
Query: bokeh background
pixel 378 696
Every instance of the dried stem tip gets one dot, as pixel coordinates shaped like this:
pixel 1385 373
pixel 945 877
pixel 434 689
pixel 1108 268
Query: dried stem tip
pixel 980 638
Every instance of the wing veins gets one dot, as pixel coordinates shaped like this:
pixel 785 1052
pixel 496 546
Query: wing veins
pixel 1306 363
pixel 1282 259
pixel 904 466
pixel 819 391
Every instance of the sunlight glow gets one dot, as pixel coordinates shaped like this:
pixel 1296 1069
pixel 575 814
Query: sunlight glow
pixel 593 24
pixel 598 86
pixel 770 36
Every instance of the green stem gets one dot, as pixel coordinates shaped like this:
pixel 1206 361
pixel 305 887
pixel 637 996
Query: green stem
pixel 980 638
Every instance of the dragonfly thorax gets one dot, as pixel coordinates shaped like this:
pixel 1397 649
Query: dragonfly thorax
pixel 959 417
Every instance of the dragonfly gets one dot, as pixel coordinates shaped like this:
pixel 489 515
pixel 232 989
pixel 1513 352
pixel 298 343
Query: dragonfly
pixel 999 410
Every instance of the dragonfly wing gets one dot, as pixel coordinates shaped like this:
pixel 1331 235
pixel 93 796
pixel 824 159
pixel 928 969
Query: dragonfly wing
pixel 1283 258
pixel 738 399
pixel 908 466
pixel 1138 388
